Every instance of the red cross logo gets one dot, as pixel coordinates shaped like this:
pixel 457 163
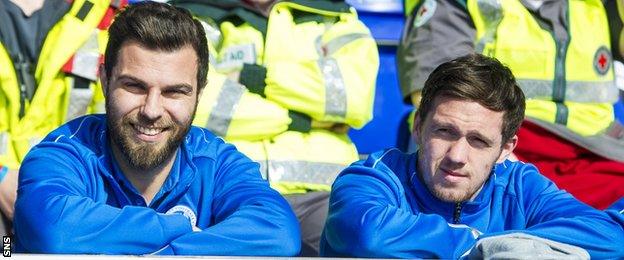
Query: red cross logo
pixel 602 60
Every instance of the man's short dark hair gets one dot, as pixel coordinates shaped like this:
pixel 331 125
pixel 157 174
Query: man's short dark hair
pixel 481 79
pixel 158 26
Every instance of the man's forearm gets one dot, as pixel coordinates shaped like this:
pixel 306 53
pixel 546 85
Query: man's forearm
pixel 8 193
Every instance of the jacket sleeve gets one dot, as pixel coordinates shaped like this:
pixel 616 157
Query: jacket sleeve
pixel 250 218
pixel 430 39
pixel 555 214
pixel 56 211
pixel 329 76
pixel 618 205
pixel 229 110
pixel 369 217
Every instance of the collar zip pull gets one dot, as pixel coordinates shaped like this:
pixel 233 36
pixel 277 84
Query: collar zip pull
pixel 458 207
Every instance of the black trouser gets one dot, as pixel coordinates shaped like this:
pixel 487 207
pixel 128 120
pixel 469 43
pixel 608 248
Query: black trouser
pixel 311 211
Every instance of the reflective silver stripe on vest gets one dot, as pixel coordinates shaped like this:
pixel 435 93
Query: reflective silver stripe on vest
pixel 86 60
pixel 79 100
pixel 576 91
pixel 85 64
pixel 213 33
pixel 335 92
pixel 223 110
pixel 301 171
pixel 335 44
pixel 491 11
pixel 4 143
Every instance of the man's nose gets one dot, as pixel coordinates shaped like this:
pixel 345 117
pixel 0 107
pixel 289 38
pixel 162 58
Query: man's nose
pixel 153 107
pixel 458 152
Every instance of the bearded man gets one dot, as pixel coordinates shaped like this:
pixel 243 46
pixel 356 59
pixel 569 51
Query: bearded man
pixel 140 179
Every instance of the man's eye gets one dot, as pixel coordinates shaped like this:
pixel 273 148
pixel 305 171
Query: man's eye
pixel 443 131
pixel 134 86
pixel 176 92
pixel 478 142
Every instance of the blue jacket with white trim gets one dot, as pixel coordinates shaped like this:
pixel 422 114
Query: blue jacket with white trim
pixel 73 198
pixel 380 208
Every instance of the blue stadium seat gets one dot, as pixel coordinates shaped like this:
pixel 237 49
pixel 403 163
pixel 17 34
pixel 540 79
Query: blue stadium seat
pixel 385 20
pixel 619 109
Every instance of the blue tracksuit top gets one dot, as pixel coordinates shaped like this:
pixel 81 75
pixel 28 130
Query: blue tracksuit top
pixel 73 198
pixel 379 208
pixel 618 205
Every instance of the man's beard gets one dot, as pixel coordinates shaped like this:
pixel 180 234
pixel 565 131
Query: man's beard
pixel 442 192
pixel 140 155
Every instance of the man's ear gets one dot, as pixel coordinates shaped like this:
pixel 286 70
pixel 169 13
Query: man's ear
pixel 507 150
pixel 103 79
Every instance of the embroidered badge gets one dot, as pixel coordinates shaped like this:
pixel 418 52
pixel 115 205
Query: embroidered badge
pixel 425 12
pixel 185 211
pixel 602 60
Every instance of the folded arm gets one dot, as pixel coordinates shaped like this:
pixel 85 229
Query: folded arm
pixel 335 73
pixel 369 217
pixel 555 214
pixel 230 110
pixel 58 211
pixel 250 218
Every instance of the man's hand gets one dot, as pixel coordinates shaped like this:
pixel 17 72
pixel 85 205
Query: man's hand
pixel 8 193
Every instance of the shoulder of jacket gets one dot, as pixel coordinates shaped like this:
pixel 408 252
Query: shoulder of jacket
pixel 80 128
pixel 384 158
pixel 392 162
pixel 515 176
pixel 202 143
pixel 83 135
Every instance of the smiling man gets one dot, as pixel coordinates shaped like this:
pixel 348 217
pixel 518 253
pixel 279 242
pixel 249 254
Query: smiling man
pixel 140 179
pixel 459 195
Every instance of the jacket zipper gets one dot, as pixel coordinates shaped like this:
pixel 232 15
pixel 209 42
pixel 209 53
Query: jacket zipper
pixel 21 68
pixel 457 213
pixel 559 82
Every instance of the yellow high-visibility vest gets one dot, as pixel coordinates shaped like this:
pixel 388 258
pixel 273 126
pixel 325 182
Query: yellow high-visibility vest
pixel 72 49
pixel 325 69
pixel 569 83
